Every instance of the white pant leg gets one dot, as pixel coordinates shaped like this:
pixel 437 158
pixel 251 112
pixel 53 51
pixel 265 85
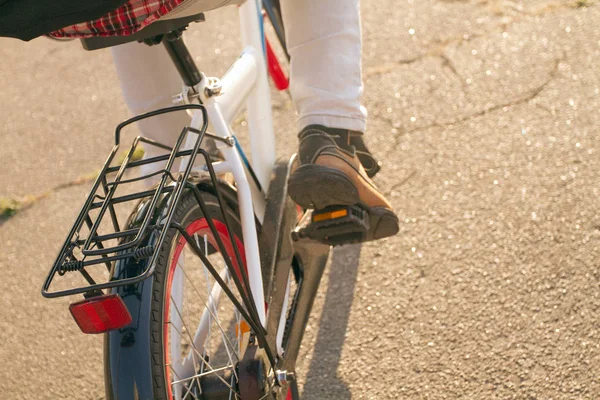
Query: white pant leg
pixel 149 80
pixel 324 42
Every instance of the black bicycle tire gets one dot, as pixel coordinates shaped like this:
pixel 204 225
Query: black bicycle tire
pixel 186 204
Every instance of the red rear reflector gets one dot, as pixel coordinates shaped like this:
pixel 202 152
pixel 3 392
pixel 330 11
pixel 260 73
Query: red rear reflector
pixel 100 314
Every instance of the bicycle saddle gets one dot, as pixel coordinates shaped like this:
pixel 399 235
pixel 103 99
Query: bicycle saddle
pixel 158 28
pixel 140 25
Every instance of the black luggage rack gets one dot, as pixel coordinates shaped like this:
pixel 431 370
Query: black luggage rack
pixel 86 247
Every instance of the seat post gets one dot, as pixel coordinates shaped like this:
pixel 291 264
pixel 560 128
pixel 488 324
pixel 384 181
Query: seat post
pixel 182 58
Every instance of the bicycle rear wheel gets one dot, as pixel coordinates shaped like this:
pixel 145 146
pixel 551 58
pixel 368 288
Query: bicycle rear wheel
pixel 197 334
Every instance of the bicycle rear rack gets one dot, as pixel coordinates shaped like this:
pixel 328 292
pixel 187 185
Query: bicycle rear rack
pixel 85 246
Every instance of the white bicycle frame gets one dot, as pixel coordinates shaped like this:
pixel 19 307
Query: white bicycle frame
pixel 245 84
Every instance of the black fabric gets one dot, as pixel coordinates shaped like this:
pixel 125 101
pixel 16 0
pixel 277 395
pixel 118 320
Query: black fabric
pixel 339 136
pixel 351 141
pixel 369 163
pixel 28 19
pixel 314 139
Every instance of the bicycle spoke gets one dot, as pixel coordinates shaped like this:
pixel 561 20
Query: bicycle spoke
pixel 208 307
pixel 213 310
pixel 177 388
pixel 208 289
pixel 174 327
pixel 189 389
pixel 196 351
pixel 201 375
pixel 175 321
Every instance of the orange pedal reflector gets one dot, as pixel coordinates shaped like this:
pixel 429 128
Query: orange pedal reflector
pixel 330 215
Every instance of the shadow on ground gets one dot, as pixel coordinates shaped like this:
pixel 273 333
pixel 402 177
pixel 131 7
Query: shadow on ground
pixel 322 381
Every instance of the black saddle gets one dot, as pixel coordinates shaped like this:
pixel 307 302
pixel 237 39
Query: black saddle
pixel 152 34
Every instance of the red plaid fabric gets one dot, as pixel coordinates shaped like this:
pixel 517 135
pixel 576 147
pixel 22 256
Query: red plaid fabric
pixel 125 20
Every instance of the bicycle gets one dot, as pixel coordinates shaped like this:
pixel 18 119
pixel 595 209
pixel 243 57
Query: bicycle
pixel 258 259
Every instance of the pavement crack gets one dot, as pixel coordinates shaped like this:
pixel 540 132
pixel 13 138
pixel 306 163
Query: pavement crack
pixel 401 183
pixel 521 100
pixel 434 49
pixel 11 205
pixel 437 49
pixel 389 67
pixel 447 63
pixel 545 8
pixel 532 95
pixel 403 314
pixel 77 181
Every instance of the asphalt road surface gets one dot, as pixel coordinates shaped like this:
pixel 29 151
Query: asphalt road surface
pixel 487 114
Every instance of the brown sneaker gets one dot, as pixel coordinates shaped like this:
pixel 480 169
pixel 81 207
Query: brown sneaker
pixel 328 172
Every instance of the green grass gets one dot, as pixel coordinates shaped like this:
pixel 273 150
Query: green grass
pixel 138 154
pixel 9 207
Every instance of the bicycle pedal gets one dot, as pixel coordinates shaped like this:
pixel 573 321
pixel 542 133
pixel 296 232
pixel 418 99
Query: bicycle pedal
pixel 336 225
